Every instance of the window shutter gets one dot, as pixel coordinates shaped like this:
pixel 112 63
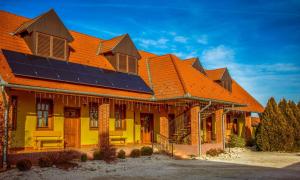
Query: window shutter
pixel 58 48
pixel 122 62
pixel 113 60
pixel 132 64
pixel 43 44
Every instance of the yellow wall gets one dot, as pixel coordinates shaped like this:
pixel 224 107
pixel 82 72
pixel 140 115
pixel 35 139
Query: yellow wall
pixel 27 121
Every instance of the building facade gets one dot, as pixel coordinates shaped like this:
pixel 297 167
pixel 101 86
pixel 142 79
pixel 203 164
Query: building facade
pixel 64 89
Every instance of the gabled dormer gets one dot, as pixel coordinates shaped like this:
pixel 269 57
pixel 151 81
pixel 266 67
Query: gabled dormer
pixel 46 35
pixel 121 52
pixel 221 76
pixel 195 62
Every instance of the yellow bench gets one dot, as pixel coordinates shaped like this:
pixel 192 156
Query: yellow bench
pixel 40 137
pixel 117 136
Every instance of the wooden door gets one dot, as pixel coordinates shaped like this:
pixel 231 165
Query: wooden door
pixel 209 129
pixel 146 128
pixel 72 127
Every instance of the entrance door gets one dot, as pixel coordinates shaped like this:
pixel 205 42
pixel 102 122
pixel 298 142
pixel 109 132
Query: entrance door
pixel 72 127
pixel 209 129
pixel 146 128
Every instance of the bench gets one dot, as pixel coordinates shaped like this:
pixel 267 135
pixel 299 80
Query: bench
pixel 117 136
pixel 39 137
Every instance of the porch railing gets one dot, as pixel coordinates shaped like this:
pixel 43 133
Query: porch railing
pixel 163 143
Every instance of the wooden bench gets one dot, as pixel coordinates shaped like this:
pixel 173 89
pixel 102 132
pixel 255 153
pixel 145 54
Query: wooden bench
pixel 117 136
pixel 39 137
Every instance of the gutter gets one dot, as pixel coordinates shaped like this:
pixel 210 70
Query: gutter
pixel 199 128
pixel 53 90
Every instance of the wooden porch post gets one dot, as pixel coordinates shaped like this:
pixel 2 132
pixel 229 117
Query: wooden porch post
pixel 104 113
pixel 219 129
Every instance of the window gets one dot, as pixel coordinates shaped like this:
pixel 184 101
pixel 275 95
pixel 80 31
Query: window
pixel 51 46
pixel 120 116
pixel 93 111
pixel 122 62
pixel 14 103
pixel 132 64
pixel 228 127
pixel 44 113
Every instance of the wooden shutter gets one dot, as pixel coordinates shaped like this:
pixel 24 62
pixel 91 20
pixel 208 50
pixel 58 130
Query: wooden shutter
pixel 132 64
pixel 58 48
pixel 112 58
pixel 43 44
pixel 122 62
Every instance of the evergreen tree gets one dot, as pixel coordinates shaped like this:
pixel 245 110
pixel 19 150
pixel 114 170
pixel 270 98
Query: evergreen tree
pixel 273 132
pixel 292 123
pixel 296 124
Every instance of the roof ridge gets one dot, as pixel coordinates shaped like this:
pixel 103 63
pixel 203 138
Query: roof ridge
pixel 149 75
pixel 179 75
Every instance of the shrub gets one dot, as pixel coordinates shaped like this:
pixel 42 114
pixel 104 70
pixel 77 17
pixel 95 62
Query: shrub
pixel 135 153
pixel 62 156
pixel 250 142
pixel 236 141
pixel 214 152
pixel 45 162
pixel 106 153
pixel 83 158
pixel 121 154
pixel 146 151
pixel 98 155
pixel 24 164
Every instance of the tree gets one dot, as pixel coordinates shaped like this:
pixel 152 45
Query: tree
pixel 273 131
pixel 296 124
pixel 298 105
pixel 291 120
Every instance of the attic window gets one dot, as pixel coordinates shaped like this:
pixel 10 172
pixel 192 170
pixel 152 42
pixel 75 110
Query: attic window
pixel 132 64
pixel 50 46
pixel 122 63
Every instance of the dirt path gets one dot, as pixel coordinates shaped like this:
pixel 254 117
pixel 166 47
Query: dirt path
pixel 250 165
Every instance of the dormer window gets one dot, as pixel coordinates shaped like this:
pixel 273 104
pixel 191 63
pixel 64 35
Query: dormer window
pixel 121 53
pixel 50 46
pixel 46 35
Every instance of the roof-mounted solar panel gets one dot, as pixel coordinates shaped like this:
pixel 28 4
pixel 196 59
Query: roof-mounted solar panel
pixel 50 69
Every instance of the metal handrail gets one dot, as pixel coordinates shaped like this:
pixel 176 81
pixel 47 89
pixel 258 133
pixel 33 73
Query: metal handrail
pixel 164 142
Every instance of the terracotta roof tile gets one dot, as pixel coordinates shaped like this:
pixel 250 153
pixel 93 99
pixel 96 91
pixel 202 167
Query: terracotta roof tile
pixel 108 45
pixel 215 74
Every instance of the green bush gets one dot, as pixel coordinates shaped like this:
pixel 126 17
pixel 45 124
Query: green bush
pixel 83 158
pixel 236 141
pixel 214 152
pixel 24 164
pixel 135 153
pixel 250 142
pixel 146 151
pixel 121 154
pixel 45 162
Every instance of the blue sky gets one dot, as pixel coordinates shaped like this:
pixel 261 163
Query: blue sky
pixel 259 41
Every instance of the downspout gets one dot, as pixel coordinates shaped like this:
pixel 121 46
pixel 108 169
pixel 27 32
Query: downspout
pixel 223 125
pixel 199 128
pixel 6 109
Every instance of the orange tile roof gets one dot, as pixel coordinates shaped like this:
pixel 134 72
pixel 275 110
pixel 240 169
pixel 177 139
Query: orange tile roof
pixel 215 74
pixel 239 93
pixel 84 52
pixel 108 45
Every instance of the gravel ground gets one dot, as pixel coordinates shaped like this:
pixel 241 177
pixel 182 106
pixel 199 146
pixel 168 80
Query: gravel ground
pixel 243 164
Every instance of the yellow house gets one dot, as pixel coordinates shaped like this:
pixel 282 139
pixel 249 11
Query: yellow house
pixel 64 89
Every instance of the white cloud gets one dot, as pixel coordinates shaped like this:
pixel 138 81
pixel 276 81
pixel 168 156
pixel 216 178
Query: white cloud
pixel 180 39
pixel 260 80
pixel 161 43
pixel 183 55
pixel 202 40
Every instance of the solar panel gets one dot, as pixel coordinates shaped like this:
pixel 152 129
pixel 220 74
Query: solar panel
pixel 51 69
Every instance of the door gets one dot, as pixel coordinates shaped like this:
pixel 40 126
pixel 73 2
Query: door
pixel 209 129
pixel 146 128
pixel 72 127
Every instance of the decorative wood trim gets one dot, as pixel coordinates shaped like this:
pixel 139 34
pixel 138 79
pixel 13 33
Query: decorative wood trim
pixel 117 66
